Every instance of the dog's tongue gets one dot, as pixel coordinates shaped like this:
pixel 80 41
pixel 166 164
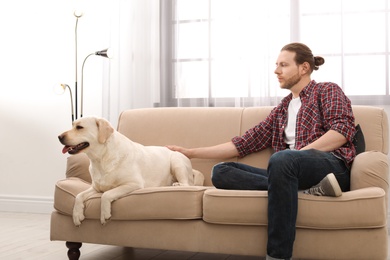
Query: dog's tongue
pixel 65 149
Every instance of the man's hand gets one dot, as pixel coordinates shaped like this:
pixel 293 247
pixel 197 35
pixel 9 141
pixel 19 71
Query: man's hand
pixel 185 151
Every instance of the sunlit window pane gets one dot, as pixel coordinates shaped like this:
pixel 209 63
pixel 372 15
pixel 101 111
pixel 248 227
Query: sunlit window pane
pixel 364 33
pixel 248 9
pixel 192 79
pixel 260 71
pixel 227 37
pixel 363 5
pixel 243 34
pixel 229 78
pixel 192 40
pixel 330 71
pixel 365 75
pixel 246 28
pixel 192 9
pixel 322 33
pixel 320 6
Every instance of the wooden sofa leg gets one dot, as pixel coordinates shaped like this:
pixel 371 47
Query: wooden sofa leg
pixel 74 250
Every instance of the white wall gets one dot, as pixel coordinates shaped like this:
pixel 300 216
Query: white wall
pixel 38 52
pixel 37 43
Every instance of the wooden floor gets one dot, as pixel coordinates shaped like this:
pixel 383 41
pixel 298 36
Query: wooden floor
pixel 26 237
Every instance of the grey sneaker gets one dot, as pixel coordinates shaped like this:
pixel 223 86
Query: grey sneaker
pixel 327 187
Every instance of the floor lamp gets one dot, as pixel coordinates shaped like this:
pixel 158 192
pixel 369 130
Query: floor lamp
pixel 62 87
pixel 74 106
pixel 104 53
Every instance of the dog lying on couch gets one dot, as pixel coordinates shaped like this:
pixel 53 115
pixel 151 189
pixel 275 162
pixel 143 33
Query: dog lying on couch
pixel 119 166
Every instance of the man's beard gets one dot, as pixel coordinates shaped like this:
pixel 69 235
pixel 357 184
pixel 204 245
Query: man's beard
pixel 291 82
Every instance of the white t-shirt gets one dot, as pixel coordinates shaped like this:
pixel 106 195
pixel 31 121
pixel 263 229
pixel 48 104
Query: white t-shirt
pixel 289 131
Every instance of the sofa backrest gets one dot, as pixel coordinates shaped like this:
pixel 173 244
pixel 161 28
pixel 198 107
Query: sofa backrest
pixel 198 127
pixel 374 124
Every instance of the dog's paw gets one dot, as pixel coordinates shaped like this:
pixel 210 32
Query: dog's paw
pixel 78 217
pixel 78 213
pixel 180 184
pixel 104 218
pixel 105 214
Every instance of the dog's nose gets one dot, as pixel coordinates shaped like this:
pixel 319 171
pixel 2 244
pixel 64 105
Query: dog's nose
pixel 61 138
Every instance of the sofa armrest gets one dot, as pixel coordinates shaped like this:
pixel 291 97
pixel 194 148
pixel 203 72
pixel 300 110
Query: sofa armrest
pixel 370 169
pixel 78 166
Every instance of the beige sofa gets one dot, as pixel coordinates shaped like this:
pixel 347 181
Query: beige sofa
pixel 205 219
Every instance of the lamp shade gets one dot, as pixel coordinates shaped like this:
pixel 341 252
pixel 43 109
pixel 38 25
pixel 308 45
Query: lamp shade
pixel 107 53
pixel 60 89
pixel 78 13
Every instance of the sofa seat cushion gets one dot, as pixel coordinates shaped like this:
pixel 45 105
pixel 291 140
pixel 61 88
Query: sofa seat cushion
pixel 234 207
pixel 173 202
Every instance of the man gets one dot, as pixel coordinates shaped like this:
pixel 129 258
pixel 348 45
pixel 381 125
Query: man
pixel 311 132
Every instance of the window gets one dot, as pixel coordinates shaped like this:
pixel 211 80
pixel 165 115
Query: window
pixel 352 36
pixel 225 50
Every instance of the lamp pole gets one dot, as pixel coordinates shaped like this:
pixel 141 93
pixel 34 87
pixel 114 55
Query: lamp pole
pixel 77 14
pixel 82 80
pixel 61 89
pixel 71 99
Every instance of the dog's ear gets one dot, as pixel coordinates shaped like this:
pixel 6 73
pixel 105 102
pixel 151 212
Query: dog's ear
pixel 104 129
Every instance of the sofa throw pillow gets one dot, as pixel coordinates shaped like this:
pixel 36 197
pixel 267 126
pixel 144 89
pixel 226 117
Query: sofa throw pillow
pixel 358 140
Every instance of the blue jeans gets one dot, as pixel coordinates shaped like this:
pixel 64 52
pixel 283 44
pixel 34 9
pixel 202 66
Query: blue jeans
pixel 288 171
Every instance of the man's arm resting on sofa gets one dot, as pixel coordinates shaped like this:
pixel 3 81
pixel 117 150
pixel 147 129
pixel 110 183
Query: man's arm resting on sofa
pixel 330 141
pixel 220 151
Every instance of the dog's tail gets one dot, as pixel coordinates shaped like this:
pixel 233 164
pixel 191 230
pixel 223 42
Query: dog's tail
pixel 198 177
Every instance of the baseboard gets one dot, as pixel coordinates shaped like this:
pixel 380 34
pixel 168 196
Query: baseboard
pixel 26 204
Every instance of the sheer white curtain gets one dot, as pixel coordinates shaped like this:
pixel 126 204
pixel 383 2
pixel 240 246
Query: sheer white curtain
pixel 134 71
pixel 223 52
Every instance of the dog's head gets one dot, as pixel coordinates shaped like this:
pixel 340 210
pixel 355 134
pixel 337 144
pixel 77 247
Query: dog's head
pixel 86 132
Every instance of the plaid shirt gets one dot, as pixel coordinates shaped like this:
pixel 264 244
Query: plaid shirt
pixel 324 107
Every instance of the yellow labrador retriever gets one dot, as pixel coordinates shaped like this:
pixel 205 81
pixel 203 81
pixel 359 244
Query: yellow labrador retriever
pixel 119 166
